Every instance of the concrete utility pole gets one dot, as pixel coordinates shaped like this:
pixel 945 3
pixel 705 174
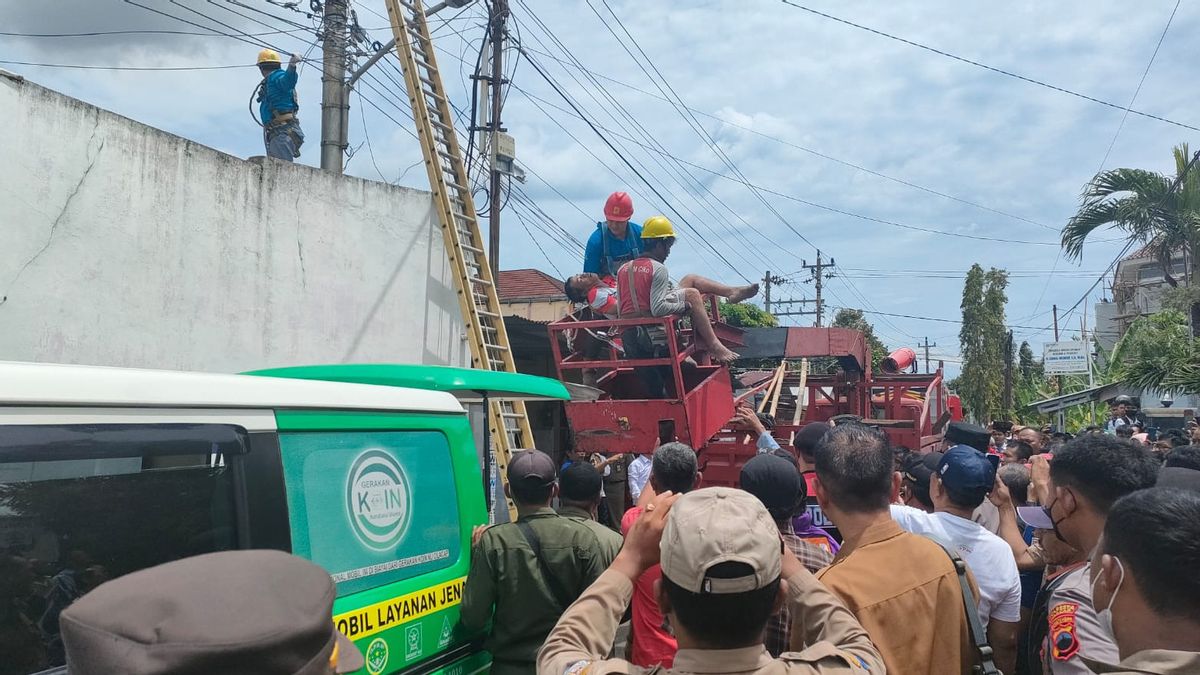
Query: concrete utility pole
pixel 817 277
pixel 496 23
pixel 767 281
pixel 333 91
pixel 927 346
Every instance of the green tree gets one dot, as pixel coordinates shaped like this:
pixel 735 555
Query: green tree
pixel 855 320
pixel 746 315
pixel 1142 205
pixel 981 338
pixel 1029 367
pixel 1159 353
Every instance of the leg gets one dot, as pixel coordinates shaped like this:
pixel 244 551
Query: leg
pixel 710 287
pixel 614 494
pixel 279 144
pixel 703 327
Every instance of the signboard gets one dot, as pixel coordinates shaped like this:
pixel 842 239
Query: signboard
pixel 1065 358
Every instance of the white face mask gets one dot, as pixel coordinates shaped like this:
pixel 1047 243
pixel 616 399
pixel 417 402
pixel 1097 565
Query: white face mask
pixel 1104 616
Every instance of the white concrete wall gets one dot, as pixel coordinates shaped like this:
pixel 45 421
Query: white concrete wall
pixel 123 245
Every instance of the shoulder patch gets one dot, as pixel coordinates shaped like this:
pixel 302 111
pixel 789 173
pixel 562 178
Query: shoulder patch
pixel 1064 642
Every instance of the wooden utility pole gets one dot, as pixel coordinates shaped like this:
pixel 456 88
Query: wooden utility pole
pixel 496 23
pixel 817 276
pixel 1008 373
pixel 334 93
pixel 767 281
pixel 927 346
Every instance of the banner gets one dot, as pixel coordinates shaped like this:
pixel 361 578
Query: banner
pixel 1066 358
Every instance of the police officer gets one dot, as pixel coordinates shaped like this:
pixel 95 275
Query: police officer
pixel 723 575
pixel 277 106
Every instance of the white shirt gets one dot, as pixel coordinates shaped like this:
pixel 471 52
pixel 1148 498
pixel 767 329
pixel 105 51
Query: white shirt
pixel 990 559
pixel 638 472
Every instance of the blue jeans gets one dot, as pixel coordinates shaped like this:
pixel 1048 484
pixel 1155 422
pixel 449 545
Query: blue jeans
pixel 283 141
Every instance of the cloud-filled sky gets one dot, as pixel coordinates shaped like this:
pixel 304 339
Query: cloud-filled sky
pixel 903 165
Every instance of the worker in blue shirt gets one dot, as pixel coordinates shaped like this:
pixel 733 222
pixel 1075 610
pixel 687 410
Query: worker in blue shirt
pixel 615 241
pixel 277 106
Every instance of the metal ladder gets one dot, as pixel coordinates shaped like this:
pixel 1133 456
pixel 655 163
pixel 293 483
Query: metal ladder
pixel 473 279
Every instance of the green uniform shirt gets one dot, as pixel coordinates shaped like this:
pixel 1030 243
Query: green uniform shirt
pixel 506 585
pixel 610 542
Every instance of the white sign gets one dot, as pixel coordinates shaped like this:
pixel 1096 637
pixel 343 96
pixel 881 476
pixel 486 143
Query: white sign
pixel 1063 358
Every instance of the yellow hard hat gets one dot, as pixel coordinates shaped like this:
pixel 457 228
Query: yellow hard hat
pixel 657 227
pixel 269 56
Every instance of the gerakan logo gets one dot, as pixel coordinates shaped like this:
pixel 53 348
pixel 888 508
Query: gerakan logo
pixel 377 500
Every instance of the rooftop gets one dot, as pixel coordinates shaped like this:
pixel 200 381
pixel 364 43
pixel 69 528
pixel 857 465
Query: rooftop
pixel 529 284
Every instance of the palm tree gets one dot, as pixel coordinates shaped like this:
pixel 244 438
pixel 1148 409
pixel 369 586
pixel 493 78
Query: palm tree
pixel 1145 206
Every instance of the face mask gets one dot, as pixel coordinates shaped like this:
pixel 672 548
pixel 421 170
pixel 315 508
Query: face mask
pixel 1054 523
pixel 1104 616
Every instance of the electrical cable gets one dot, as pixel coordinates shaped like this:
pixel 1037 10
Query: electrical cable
pixel 811 151
pixel 986 67
pixel 625 160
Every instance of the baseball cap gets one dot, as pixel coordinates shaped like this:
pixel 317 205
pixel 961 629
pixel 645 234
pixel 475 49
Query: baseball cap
pixel 964 433
pixel 1037 517
pixel 235 612
pixel 965 468
pixel 776 482
pixel 919 468
pixel 531 468
pixel 808 436
pixel 717 525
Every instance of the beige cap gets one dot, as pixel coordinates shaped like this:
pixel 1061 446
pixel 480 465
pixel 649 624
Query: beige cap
pixel 716 525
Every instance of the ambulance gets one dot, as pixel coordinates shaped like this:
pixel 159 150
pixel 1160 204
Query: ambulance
pixel 371 471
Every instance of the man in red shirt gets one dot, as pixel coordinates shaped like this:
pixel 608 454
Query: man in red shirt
pixel 644 289
pixel 673 468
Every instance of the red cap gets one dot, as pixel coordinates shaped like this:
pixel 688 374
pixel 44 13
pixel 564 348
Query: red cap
pixel 619 207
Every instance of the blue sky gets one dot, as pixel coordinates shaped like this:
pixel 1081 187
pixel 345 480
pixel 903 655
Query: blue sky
pixel 774 88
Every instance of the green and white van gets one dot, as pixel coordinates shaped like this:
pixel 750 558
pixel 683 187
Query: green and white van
pixel 373 472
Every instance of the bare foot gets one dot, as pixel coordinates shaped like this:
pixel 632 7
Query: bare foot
pixel 722 355
pixel 744 293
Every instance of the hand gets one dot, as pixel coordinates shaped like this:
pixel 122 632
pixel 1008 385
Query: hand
pixel 641 551
pixel 477 534
pixel 1000 496
pixel 294 60
pixel 1039 477
pixel 746 417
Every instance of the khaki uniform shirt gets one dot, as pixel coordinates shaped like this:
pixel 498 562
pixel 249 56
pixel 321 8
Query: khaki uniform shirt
pixel 1075 633
pixel 905 592
pixel 610 542
pixel 507 587
pixel 585 635
pixel 1151 662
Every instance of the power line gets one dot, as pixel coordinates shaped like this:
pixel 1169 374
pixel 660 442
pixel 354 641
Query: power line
pixel 532 62
pixel 977 64
pixel 149 32
pixel 790 197
pixel 76 66
pixel 811 151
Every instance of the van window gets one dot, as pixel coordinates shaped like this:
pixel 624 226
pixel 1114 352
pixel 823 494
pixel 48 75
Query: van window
pixel 80 505
pixel 372 507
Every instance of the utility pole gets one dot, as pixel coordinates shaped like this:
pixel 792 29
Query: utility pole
pixel 767 281
pixel 927 346
pixel 1058 378
pixel 497 35
pixel 334 93
pixel 1008 374
pixel 817 276
pixel 796 312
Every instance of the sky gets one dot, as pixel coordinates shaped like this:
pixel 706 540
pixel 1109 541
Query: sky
pixel 763 130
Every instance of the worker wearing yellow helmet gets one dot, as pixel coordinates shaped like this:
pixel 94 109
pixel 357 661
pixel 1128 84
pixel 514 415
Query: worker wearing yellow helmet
pixel 644 289
pixel 277 106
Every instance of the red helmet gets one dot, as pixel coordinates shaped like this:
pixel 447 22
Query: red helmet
pixel 619 207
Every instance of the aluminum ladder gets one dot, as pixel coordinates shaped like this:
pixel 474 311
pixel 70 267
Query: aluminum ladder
pixel 473 278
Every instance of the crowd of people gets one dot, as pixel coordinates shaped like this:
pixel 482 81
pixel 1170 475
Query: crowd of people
pixel 1009 550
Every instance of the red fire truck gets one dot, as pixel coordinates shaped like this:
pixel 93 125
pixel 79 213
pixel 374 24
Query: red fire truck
pixel 617 415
